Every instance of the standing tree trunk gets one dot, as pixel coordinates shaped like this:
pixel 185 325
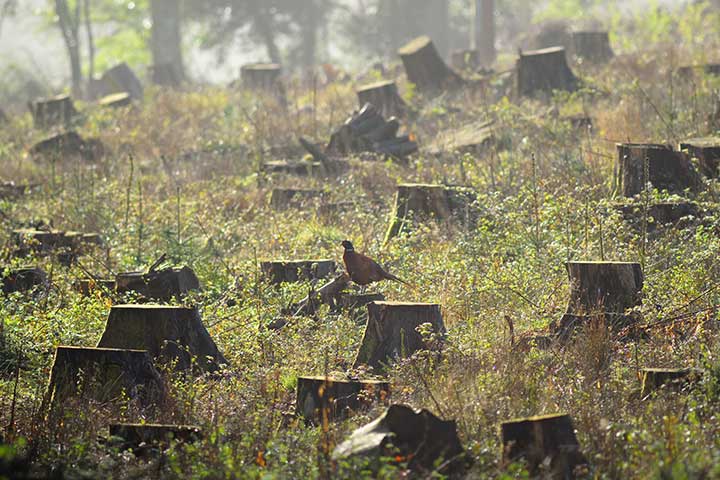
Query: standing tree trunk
pixel 166 42
pixel 69 24
pixel 484 31
pixel 309 32
pixel 436 24
pixel 90 40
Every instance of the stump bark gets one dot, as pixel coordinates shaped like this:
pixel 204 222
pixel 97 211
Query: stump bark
pixel 543 439
pixel 668 170
pixel 120 79
pixel 707 151
pixel 56 111
pixel 592 46
pixel 320 398
pixel 544 71
pixel 136 435
pixel 285 198
pixel 103 375
pixel 24 279
pixel 390 331
pixel 172 335
pixel 674 379
pixel 384 96
pixel 417 437
pixel 425 67
pixel 161 285
pixel 297 270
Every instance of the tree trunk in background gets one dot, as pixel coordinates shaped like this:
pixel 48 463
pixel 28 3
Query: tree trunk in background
pixel 436 24
pixel 262 21
pixel 166 42
pixel 69 24
pixel 484 31
pixel 309 32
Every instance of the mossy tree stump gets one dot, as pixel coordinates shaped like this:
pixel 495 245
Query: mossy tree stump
pixel 24 279
pixel 384 96
pixel 172 335
pixel 161 285
pixel 544 71
pixel 334 399
pixel 134 435
pixel 291 271
pixel 425 67
pixel 674 379
pixel 539 439
pixel 391 331
pixel 104 375
pixel 707 151
pixel 284 198
pixel 55 111
pixel 417 437
pixel 668 170
pixel 592 46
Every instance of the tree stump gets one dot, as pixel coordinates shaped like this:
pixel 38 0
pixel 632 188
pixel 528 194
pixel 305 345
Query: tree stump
pixel 11 191
pixel 285 198
pixel 539 439
pixel 55 111
pixel 592 46
pixel 68 145
pixel 465 60
pixel 336 399
pixel 172 335
pixel 707 151
pixel 601 290
pixel 673 214
pixel 350 301
pixel 417 437
pixel 293 271
pixel 674 379
pixel 668 170
pixel 544 71
pixel 167 74
pixel 160 285
pixel 390 331
pixel 262 76
pixel 384 96
pixel 24 279
pixel 135 435
pixel 104 375
pixel 440 202
pixel 115 100
pixel 120 79
pixel 425 67
pixel 687 72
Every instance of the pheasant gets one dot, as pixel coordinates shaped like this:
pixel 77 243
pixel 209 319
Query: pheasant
pixel 362 269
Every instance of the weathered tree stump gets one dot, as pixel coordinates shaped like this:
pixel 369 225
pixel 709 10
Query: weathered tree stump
pixel 465 60
pixel 336 399
pixel 292 271
pixel 24 279
pixel 592 46
pixel 161 285
pixel 103 375
pixel 46 241
pixel 68 145
pixel 603 290
pixel 120 79
pixel 135 435
pixel 674 379
pixel 543 439
pixel 440 202
pixel 390 331
pixel 425 67
pixel 707 151
pixel 285 198
pixel 56 111
pixel 262 76
pixel 544 71
pixel 668 170
pixel 417 437
pixel 115 100
pixel 167 74
pixel 384 96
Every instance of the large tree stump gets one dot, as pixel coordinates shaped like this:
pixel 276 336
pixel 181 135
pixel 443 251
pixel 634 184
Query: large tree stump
pixel 104 375
pixel 67 145
pixel 544 442
pixel 321 398
pixel 262 76
pixel 415 202
pixel 668 170
pixel 544 71
pixel 48 241
pixel 390 331
pixel 24 279
pixel 707 151
pixel 417 437
pixel 674 379
pixel 120 79
pixel 604 290
pixel 55 111
pixel 161 285
pixel 425 67
pixel 592 46
pixel 285 198
pixel 172 335
pixel 136 435
pixel 384 96
pixel 291 271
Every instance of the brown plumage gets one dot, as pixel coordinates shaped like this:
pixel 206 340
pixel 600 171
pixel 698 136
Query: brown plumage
pixel 362 269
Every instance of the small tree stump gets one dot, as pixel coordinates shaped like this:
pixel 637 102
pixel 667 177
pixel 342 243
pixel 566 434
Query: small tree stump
pixel 116 100
pixel 297 270
pixel 592 46
pixel 537 439
pixel 425 67
pixel 262 76
pixel 68 145
pixel 390 331
pixel 173 335
pixel 167 74
pixel 417 437
pixel 544 71
pixel 336 399
pixel 707 151
pixel 161 285
pixel 384 96
pixel 24 279
pixel 674 379
pixel 55 111
pixel 120 79
pixel 136 435
pixel 284 198
pixel 669 170
pixel 465 60
pixel 104 375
